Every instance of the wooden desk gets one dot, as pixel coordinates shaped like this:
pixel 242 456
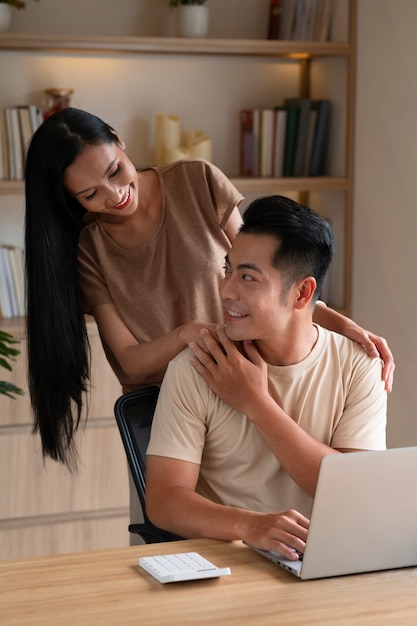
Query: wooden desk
pixel 108 587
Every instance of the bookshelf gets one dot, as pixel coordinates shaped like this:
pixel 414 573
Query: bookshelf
pixel 318 70
pixel 240 73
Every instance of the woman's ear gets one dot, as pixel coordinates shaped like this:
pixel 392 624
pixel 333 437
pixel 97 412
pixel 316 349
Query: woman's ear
pixel 305 292
pixel 119 139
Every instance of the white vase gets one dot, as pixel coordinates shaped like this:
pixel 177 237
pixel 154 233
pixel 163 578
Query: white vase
pixel 192 20
pixel 5 17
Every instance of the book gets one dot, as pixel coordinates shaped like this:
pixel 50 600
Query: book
pixel 323 20
pixel 310 138
pixel 288 19
pixel 36 116
pixel 5 303
pixel 299 20
pixel 9 140
pixel 310 20
pixel 321 131
pixel 8 296
pixel 290 139
pixel 274 21
pixel 278 143
pixel 25 129
pixel 4 158
pixel 249 130
pixel 16 263
pixel 304 105
pixel 266 133
pixel 14 144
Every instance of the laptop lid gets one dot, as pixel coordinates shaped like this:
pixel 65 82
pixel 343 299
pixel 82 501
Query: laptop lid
pixel 364 515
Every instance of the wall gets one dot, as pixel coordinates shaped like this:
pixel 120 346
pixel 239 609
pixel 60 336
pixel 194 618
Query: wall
pixel 385 217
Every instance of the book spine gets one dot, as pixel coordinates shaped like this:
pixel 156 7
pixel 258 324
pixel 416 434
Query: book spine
pixel 257 141
pixel 25 129
pixel 310 139
pixel 14 143
pixel 36 117
pixel 8 297
pixel 316 167
pixel 299 23
pixel 280 126
pixel 304 106
pixel 310 19
pixel 266 141
pixel 15 255
pixel 323 20
pixel 10 145
pixel 290 139
pixel 4 157
pixel 288 19
pixel 247 144
pixel 274 22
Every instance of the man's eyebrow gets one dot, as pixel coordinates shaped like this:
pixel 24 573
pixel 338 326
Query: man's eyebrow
pixel 244 266
pixel 108 169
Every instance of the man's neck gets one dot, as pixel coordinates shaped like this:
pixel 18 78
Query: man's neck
pixel 290 348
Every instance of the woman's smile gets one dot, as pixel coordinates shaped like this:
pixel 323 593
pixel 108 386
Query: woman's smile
pixel 125 201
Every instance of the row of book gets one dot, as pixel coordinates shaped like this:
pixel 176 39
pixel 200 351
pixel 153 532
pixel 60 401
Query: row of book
pixel 300 20
pixel 12 298
pixel 288 140
pixel 17 125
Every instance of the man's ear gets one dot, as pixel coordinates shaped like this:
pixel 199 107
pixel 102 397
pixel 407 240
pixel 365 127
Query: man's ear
pixel 119 140
pixel 305 292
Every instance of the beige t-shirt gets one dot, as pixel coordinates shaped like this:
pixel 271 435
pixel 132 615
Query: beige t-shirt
pixel 173 278
pixel 336 394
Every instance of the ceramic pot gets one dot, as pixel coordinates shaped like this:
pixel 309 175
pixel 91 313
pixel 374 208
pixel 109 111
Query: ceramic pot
pixel 192 20
pixel 5 17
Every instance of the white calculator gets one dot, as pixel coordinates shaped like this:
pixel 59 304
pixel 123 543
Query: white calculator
pixel 171 568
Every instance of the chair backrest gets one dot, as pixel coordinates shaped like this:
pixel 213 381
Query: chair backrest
pixel 134 414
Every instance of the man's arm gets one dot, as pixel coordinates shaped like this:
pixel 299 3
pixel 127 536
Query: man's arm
pixel 374 345
pixel 173 504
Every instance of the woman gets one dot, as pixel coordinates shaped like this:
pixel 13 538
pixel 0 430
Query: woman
pixel 141 251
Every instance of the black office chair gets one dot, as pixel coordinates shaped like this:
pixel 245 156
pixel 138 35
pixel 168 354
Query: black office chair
pixel 134 413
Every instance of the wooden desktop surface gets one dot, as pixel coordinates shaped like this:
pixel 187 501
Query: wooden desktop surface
pixel 107 587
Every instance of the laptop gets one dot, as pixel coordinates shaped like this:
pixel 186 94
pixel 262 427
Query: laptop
pixel 364 516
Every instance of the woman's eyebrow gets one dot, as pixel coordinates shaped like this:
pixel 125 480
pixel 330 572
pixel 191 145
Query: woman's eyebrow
pixel 108 169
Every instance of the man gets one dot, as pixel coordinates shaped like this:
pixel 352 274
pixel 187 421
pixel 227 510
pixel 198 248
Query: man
pixel 241 427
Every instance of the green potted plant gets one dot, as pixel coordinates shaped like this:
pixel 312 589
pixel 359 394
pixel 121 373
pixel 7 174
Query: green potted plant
pixel 192 17
pixel 19 4
pixel 6 12
pixel 175 3
pixel 8 353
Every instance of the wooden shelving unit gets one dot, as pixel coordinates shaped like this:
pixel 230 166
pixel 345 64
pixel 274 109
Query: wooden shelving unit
pixel 304 51
pixel 172 45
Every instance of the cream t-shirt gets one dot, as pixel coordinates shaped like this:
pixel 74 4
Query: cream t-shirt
pixel 336 394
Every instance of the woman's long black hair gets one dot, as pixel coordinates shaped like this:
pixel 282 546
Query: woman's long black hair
pixel 58 347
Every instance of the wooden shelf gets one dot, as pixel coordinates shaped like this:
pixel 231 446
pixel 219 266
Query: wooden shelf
pixel 272 185
pixel 12 187
pixel 171 45
pixel 245 185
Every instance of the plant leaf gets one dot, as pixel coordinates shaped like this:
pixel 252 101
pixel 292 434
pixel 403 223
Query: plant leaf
pixel 7 389
pixel 5 364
